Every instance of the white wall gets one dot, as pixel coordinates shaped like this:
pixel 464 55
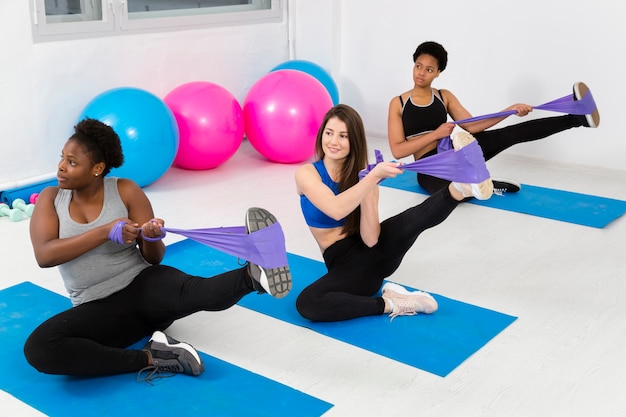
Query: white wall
pixel 45 86
pixel 500 53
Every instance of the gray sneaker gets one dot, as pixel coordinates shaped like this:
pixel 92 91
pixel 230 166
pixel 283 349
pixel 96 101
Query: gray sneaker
pixel 274 281
pixel 169 356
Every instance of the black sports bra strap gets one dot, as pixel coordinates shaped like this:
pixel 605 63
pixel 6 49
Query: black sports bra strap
pixel 401 101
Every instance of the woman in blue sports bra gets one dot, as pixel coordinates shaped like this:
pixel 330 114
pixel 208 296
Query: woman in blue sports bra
pixel 342 214
pixel 417 119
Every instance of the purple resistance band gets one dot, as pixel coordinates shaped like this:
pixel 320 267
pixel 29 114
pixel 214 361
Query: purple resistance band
pixel 465 165
pixel 265 247
pixel 566 104
pixel 468 164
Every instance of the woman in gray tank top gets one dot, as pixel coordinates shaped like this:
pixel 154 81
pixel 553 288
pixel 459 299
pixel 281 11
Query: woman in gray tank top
pixel 102 234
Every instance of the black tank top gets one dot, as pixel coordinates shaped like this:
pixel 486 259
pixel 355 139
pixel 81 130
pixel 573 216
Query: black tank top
pixel 418 120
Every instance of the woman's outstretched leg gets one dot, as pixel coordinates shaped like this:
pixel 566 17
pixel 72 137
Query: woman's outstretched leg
pixel 495 141
pixel 399 232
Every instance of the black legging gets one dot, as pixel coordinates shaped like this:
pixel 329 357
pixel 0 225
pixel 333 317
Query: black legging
pixel 90 339
pixel 495 141
pixel 356 271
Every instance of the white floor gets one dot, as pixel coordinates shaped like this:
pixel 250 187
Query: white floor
pixel 564 356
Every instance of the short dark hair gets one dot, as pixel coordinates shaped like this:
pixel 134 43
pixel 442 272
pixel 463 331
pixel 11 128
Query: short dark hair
pixel 101 143
pixel 434 49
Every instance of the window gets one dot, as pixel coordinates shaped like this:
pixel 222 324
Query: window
pixel 70 19
pixel 59 18
pixel 58 11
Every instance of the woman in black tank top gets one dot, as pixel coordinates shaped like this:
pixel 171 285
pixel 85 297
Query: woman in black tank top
pixel 415 125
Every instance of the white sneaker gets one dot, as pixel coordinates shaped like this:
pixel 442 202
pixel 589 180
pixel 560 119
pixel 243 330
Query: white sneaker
pixel 461 139
pixel 482 191
pixel 408 303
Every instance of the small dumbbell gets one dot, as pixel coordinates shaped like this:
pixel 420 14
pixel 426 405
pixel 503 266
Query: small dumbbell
pixel 20 204
pixel 12 214
pixel 33 198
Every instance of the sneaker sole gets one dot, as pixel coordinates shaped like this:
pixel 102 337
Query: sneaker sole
pixel 189 354
pixel 484 190
pixel 462 139
pixel 580 90
pixel 275 281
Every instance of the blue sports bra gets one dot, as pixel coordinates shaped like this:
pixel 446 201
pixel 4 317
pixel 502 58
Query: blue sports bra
pixel 313 216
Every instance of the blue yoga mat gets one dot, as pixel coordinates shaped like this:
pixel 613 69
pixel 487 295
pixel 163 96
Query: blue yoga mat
pixel 436 343
pixel 8 196
pixel 581 209
pixel 222 390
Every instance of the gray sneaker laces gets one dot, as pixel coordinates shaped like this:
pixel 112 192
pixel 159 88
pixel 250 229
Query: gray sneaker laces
pixel 156 372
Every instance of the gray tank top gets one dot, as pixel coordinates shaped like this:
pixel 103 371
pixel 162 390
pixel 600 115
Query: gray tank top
pixel 107 268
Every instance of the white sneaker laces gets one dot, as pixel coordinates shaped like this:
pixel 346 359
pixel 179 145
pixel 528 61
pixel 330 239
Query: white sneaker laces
pixel 403 307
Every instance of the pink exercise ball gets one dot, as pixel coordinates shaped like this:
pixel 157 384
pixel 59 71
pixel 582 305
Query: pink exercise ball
pixel 282 113
pixel 210 124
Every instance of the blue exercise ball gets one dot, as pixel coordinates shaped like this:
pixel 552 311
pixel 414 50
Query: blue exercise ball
pixel 147 129
pixel 315 71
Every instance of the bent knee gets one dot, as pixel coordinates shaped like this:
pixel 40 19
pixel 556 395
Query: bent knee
pixel 35 354
pixel 38 354
pixel 304 306
pixel 309 307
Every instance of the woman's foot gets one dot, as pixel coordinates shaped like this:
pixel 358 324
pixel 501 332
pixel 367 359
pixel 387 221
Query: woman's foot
pixel 503 186
pixel 274 281
pixel 482 190
pixel 407 303
pixel 167 356
pixel 582 92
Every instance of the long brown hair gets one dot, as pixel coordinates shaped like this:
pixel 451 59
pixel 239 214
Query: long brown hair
pixel 354 162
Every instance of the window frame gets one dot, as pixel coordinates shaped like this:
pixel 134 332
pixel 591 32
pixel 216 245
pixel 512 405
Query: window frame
pixel 116 21
pixel 57 28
